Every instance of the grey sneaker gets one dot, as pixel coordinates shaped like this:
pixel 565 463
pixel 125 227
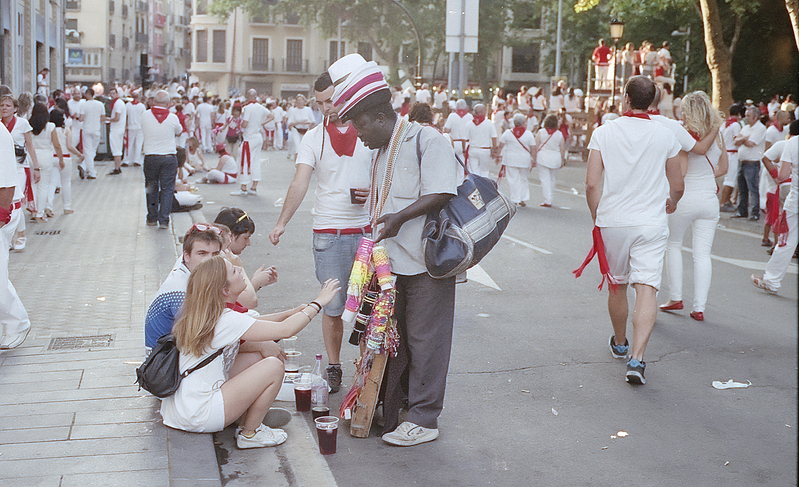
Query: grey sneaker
pixel 635 372
pixel 410 434
pixel 264 436
pixel 334 377
pixel 618 351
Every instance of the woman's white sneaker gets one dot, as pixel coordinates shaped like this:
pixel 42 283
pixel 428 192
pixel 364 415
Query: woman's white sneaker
pixel 409 434
pixel 264 436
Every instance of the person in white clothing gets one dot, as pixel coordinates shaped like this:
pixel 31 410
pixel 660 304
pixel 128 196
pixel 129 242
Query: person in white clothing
pixel 539 104
pixel 633 180
pixel 63 168
pixel 280 120
pixel 440 97
pixel 226 169
pixel 777 266
pixel 551 150
pixel 482 135
pixel 160 128
pixel 341 163
pixel 517 146
pixel 45 143
pixel 43 82
pixel 237 383
pixel 457 126
pixel 698 207
pixel 14 321
pixel 205 124
pixel 751 143
pixel 423 95
pixel 732 128
pixel 253 117
pixel 299 119
pixel 90 116
pixel 116 136
pixel 75 103
pixel 135 109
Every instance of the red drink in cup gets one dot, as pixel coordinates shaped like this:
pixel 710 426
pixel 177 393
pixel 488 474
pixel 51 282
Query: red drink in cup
pixel 318 412
pixel 302 393
pixel 327 431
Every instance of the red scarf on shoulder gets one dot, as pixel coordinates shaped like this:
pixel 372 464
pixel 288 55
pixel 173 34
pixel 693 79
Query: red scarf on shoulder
pixel 160 114
pixel 519 131
pixel 630 113
pixel 343 144
pixel 478 119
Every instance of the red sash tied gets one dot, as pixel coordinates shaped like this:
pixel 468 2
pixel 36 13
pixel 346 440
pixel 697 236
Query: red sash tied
pixel 598 250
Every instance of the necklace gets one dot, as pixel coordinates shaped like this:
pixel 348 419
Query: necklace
pixel 377 201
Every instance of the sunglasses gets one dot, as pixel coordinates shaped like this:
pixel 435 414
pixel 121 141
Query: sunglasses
pixel 204 227
pixel 242 217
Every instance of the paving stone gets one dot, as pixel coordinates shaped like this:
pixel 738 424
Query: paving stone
pixel 37 421
pixel 128 478
pixel 82 448
pixel 101 464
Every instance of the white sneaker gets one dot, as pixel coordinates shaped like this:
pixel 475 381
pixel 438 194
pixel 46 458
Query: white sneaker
pixel 264 436
pixel 241 192
pixel 7 342
pixel 410 434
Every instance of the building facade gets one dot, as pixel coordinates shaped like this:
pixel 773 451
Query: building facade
pixel 32 39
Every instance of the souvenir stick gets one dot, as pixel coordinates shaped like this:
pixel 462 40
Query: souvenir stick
pixel 382 268
pixel 359 277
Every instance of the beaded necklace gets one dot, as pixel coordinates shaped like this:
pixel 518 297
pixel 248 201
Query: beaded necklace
pixel 377 201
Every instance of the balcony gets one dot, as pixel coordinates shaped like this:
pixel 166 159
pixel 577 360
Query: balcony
pixel 295 65
pixel 72 5
pixel 159 20
pixel 141 7
pixel 141 38
pixel 263 65
pixel 111 7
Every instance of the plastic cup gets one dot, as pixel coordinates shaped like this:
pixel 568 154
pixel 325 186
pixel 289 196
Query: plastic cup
pixel 327 431
pixel 302 393
pixel 292 364
pixel 289 344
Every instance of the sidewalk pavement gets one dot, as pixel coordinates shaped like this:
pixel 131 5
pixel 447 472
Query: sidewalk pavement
pixel 71 415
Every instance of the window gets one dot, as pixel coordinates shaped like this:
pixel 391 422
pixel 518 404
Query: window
pixel 112 40
pixel 112 73
pixel 526 16
pixel 365 50
pixel 202 46
pixel 292 19
pixel 202 7
pixel 294 55
pixel 219 46
pixel 334 47
pixel 525 59
pixel 260 54
pixel 72 5
pixel 111 7
pixel 72 36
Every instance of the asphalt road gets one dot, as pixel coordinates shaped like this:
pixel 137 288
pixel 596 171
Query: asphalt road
pixel 533 396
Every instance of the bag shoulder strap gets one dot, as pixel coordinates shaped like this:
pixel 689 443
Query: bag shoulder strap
pixel 202 364
pixel 419 152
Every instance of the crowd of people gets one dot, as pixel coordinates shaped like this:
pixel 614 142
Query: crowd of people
pixel 381 163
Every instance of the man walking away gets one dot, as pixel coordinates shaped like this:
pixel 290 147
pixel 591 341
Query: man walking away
pixel 160 127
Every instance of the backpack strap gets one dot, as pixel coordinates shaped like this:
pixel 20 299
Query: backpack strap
pixel 202 364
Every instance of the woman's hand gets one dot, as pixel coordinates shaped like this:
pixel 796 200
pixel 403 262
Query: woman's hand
pixel 329 289
pixel 232 258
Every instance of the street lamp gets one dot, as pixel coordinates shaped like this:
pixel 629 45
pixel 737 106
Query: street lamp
pixel 616 33
pixel 687 35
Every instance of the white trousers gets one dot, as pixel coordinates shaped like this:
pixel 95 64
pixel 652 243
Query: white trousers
pixel 731 178
pixel 42 189
pixel 252 172
pixel 602 80
pixel 701 213
pixel 479 161
pixel 218 177
pixel 781 257
pixel 135 144
pixel 90 143
pixel 13 317
pixel 519 186
pixel 278 135
pixel 64 177
pixel 206 134
pixel 547 177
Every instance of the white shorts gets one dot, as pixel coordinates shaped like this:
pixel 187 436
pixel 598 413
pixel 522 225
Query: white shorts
pixel 635 254
pixel 116 141
pixel 216 416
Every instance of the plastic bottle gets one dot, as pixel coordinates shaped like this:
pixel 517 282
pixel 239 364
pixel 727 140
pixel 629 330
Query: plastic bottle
pixel 320 405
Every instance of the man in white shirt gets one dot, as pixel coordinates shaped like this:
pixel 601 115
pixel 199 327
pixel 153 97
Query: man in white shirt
pixel 423 95
pixel 279 116
pixel 190 110
pixel 75 103
pixel 341 162
pixel 135 110
pixel 116 137
pixel 91 114
pixel 205 124
pixel 440 97
pixel 776 131
pixel 43 82
pixel 482 142
pixel 751 144
pixel 160 127
pixel 633 180
pixel 732 128
pixel 14 321
pixel 457 126
pixel 253 117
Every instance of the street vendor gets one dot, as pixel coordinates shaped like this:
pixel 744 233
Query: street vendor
pixel 405 187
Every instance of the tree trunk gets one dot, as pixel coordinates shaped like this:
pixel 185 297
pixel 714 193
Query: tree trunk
pixel 719 55
pixel 793 13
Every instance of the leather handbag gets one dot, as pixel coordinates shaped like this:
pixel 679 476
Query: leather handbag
pixel 160 373
pixel 459 235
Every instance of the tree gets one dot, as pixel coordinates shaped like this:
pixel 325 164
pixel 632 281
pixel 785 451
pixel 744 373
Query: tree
pixel 793 12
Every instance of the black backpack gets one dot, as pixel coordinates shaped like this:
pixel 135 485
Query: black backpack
pixel 160 373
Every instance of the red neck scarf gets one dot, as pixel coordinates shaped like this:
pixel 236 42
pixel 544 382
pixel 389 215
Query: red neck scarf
pixel 730 121
pixel 518 131
pixel 630 113
pixel 777 126
pixel 343 144
pixel 406 107
pixel 462 112
pixel 237 307
pixel 653 111
pixel 182 119
pixel 550 131
pixel 249 103
pixel 10 125
pixel 478 119
pixel 160 113
pixel 135 101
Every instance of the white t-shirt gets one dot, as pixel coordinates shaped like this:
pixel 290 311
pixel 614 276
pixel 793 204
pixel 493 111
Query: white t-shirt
pixel 609 117
pixel 159 138
pixel 74 111
pixel 189 408
pixel 91 112
pixel 790 155
pixel 700 178
pixel 572 104
pixel 118 108
pixel 134 115
pixel 43 143
pixel 8 164
pixel 334 177
pixel 204 111
pixel 774 153
pixel 190 111
pixel 423 96
pixel 549 150
pixel 255 115
pixel 538 103
pixel 229 167
pixel 480 135
pixel 301 117
pixel 279 114
pixel 458 127
pixel 21 127
pixel 634 153
pixel 757 134
pixel 517 152
pixel 555 103
pixel 439 99
pixel 773 135
pixel 729 132
pixel 686 140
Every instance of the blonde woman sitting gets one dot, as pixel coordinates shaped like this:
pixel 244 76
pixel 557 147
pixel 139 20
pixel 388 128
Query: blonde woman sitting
pixel 238 383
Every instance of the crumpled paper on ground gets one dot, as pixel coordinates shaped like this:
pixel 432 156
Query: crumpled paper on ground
pixel 730 384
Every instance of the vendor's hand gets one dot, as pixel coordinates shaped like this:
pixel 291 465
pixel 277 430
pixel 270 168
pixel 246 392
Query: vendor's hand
pixel 276 233
pixel 329 289
pixel 360 194
pixel 264 276
pixel 232 258
pixel 391 226
pixel 671 207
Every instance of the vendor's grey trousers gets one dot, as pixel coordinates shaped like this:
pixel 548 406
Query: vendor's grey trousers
pixel 425 310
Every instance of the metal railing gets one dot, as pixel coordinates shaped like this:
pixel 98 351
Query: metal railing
pixel 266 65
pixel 295 66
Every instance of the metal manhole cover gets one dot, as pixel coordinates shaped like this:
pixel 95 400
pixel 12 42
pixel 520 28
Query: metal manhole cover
pixel 72 343
pixel 47 232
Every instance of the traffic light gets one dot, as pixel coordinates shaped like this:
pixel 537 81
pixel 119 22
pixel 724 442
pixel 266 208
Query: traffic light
pixel 144 72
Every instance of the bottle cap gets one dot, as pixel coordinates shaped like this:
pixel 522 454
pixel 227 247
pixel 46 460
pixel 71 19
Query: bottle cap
pixel 318 356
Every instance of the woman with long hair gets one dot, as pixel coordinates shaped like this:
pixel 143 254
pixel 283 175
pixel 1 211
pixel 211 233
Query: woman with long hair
pixel 62 168
pixel 551 149
pixel 699 206
pixel 240 382
pixel 45 144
